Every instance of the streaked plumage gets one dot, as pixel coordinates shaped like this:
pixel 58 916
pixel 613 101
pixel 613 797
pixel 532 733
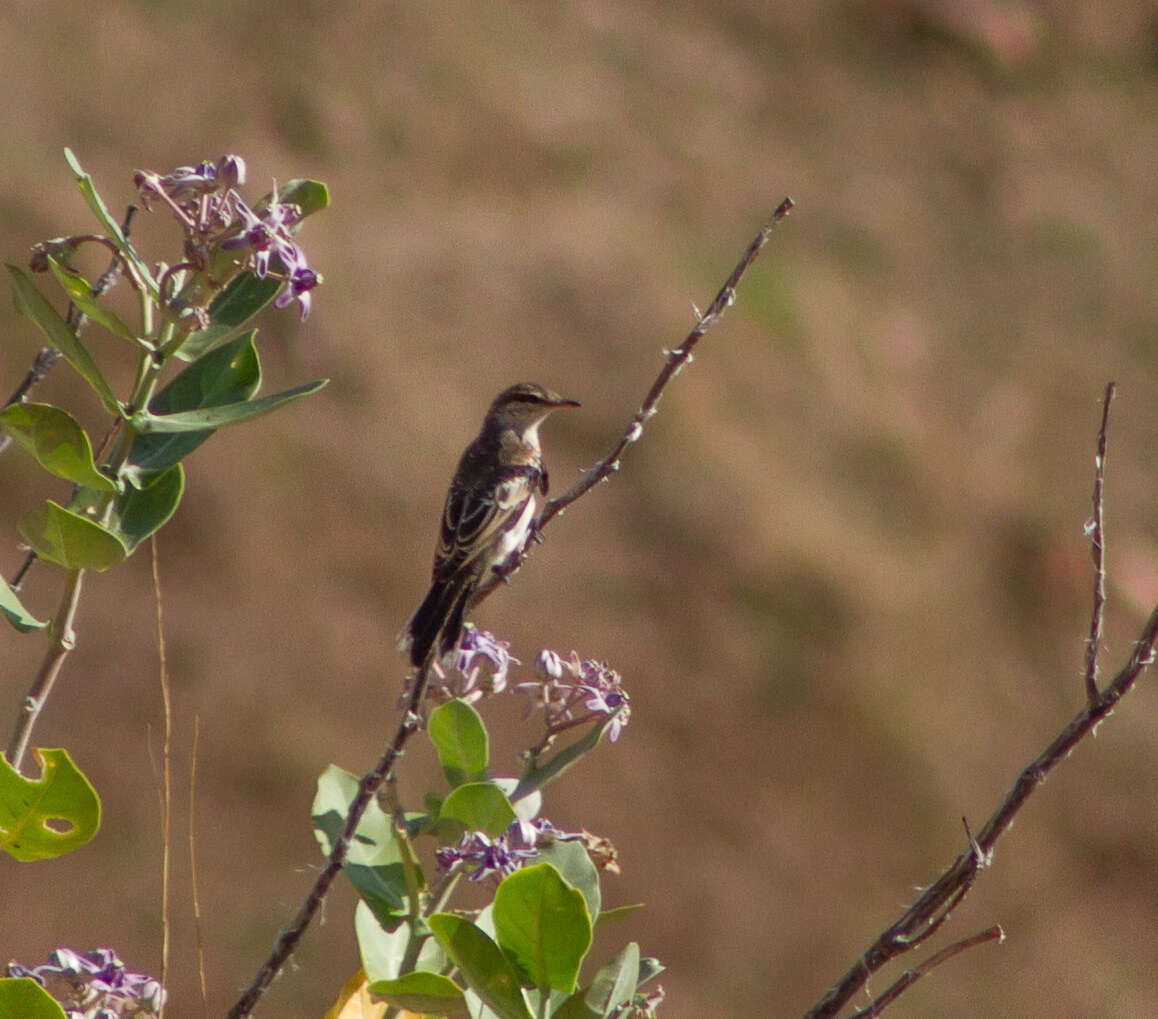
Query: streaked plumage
pixel 488 510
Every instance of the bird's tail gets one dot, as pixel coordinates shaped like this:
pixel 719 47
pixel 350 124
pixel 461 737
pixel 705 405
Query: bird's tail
pixel 437 619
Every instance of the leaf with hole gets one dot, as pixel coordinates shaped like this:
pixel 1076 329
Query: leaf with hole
pixel 48 816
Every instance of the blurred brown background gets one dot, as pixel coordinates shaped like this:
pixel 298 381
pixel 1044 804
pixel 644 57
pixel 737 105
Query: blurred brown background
pixel 844 574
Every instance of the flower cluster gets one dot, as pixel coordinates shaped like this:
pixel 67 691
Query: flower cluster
pixel 567 685
pixel 642 1006
pixel 482 856
pixel 477 649
pixel 95 985
pixel 205 199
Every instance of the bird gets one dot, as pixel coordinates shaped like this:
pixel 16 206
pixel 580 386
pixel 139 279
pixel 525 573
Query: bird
pixel 487 516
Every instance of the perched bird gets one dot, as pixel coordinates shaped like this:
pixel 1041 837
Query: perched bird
pixel 487 516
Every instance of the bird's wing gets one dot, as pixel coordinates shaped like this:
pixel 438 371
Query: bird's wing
pixel 474 522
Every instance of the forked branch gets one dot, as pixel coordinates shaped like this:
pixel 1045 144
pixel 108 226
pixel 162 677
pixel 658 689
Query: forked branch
pixel 935 904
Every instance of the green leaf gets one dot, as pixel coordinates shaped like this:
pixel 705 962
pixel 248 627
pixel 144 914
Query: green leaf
pixel 537 777
pixel 421 992
pixel 47 816
pixel 543 925
pixel 243 297
pixel 59 444
pixel 219 417
pixel 230 373
pixel 34 306
pixel 309 195
pixel 381 951
pixel 479 806
pixel 610 917
pixel 614 984
pixel 459 736
pixel 649 969
pixel 570 859
pixel 23 997
pixel 14 611
pixel 373 865
pixel 576 1007
pixel 141 512
pixel 80 293
pixel 111 226
pixel 73 541
pixel 488 972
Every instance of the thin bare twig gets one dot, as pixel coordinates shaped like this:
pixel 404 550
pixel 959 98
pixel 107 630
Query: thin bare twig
pixel 1098 550
pixel 198 930
pixel 371 782
pixel 673 365
pixel 166 767
pixel 911 976
pixel 933 906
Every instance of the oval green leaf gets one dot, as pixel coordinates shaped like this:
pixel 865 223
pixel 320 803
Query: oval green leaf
pixel 479 806
pixel 47 816
pixel 460 737
pixel 543 925
pixel 422 993
pixel 75 542
pixel 486 970
pixel 59 444
pixel 574 864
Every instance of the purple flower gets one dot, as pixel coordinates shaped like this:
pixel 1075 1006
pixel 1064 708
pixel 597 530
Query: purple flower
pixel 565 685
pixel 480 666
pixel 95 985
pixel 205 199
pixel 482 856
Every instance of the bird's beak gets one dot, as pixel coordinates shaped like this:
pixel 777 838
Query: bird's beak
pixel 557 402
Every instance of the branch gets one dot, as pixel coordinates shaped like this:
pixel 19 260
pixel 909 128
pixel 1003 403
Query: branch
pixel 384 770
pixel 911 976
pixel 371 782
pixel 62 639
pixel 1098 550
pixel 673 365
pixel 938 900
